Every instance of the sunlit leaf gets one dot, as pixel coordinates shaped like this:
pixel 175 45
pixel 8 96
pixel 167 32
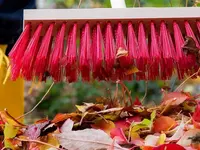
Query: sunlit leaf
pixel 105 125
pixel 164 123
pixel 10 132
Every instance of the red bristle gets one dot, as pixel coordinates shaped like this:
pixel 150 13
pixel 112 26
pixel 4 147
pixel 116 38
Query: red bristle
pixel 167 52
pixel 120 43
pixel 70 58
pixel 191 58
pixel 97 54
pixel 198 25
pixel 109 50
pixel 132 45
pixel 30 54
pixel 17 52
pixel 85 53
pixel 190 33
pixel 143 53
pixel 155 55
pixel 55 68
pixel 181 58
pixel 40 66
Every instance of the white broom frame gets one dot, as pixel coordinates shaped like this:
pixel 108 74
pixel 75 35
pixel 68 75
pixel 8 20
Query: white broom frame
pixel 111 13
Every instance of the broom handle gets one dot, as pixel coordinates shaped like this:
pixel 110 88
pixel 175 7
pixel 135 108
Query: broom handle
pixel 118 3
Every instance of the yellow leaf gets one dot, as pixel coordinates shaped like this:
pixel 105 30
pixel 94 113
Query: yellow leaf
pixel 52 140
pixel 161 139
pixel 132 70
pixel 10 132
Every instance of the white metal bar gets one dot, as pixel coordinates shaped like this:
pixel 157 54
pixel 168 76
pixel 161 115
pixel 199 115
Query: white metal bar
pixel 118 3
pixel 108 13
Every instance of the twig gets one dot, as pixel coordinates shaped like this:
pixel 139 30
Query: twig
pixel 37 103
pixel 196 73
pixel 128 92
pixel 146 90
pixel 170 2
pixel 79 4
pixel 36 141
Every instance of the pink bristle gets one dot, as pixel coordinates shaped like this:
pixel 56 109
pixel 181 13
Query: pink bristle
pixel 167 52
pixel 191 58
pixel 198 25
pixel 143 53
pixel 181 58
pixel 55 68
pixel 41 61
pixel 120 43
pixel 31 53
pixel 190 33
pixel 97 54
pixel 132 45
pixel 155 55
pixel 85 53
pixel 70 58
pixel 109 50
pixel 17 52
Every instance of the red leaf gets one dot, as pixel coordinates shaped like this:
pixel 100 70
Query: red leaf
pixel 118 134
pixel 137 102
pixel 174 98
pixel 196 114
pixel 169 147
pixel 125 123
pixel 164 123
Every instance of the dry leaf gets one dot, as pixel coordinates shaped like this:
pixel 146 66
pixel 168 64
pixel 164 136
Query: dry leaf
pixel 88 139
pixel 121 52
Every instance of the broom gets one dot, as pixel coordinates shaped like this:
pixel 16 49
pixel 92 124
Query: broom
pixel 106 44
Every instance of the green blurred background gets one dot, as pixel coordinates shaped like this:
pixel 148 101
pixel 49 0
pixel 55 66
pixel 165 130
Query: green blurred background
pixel 64 96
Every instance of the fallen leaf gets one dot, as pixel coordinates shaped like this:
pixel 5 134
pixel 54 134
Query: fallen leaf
pixel 5 117
pixel 34 131
pixel 87 139
pixel 151 140
pixel 125 123
pixel 169 147
pixel 105 125
pixel 164 123
pixel 179 132
pixel 137 102
pixel 196 114
pixel 67 126
pixel 174 98
pixel 185 139
pixel 161 139
pixel 10 132
pixel 119 135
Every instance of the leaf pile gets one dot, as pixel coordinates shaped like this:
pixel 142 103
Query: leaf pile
pixel 110 125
